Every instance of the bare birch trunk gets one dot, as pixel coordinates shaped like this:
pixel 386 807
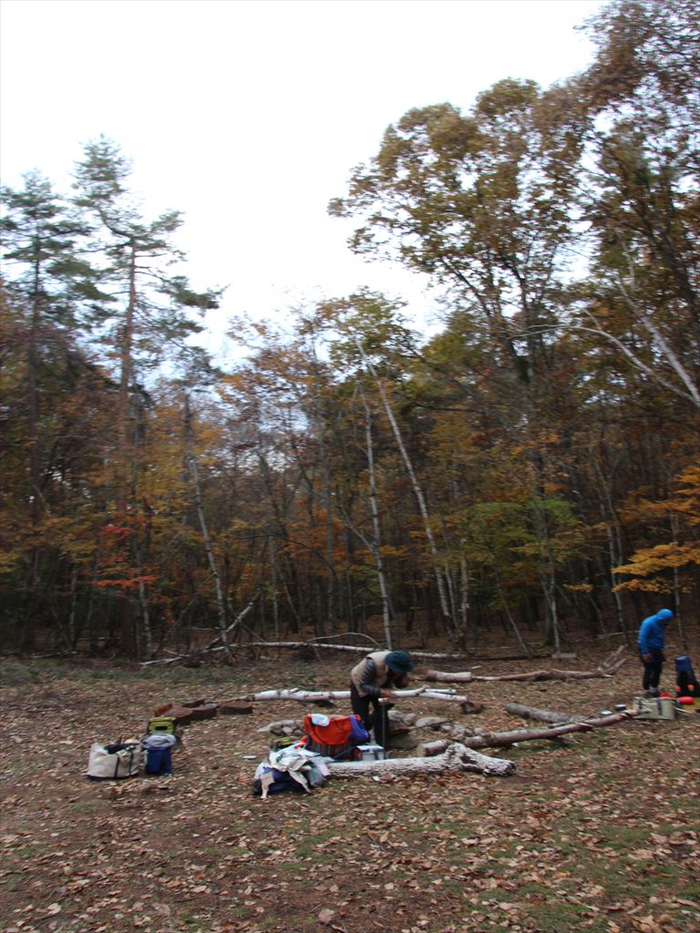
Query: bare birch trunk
pixel 677 587
pixel 376 527
pixel 194 470
pixel 146 619
pixel 614 544
pixel 418 492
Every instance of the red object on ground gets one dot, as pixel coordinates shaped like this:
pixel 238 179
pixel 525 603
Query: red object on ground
pixel 686 701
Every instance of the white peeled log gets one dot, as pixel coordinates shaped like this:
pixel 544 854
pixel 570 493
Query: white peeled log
pixel 456 757
pixel 506 739
pixel 307 696
pixel 543 715
pixel 608 668
pixel 458 677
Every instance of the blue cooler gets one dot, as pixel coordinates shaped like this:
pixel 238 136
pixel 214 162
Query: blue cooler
pixel 158 748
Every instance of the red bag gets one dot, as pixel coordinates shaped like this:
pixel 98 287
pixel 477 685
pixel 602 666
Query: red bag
pixel 338 738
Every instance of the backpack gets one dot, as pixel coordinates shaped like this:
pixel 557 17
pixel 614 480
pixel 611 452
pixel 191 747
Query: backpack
pixel 686 681
pixel 158 748
pixel 334 736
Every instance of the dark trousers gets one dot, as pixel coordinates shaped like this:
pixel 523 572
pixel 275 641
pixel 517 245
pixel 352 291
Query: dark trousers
pixel 652 669
pixel 372 713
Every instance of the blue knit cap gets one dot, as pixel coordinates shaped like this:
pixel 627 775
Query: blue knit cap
pixel 399 662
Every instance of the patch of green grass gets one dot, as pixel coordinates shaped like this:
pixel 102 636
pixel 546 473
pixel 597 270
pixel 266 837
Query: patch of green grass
pixel 13 883
pixel 213 851
pixel 14 768
pixel 557 916
pixel 25 852
pixel 308 849
pixel 85 806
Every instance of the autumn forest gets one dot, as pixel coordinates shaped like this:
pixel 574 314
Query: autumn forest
pixel 529 472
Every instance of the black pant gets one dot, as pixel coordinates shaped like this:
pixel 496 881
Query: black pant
pixel 652 669
pixel 375 717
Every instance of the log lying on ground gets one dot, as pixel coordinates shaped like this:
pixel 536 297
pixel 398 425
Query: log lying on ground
pixel 212 648
pixel 504 739
pixel 455 757
pixel 311 695
pixel 207 649
pixel 610 666
pixel 543 715
pixel 356 648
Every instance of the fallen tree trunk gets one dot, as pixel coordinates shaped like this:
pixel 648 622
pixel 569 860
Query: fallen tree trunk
pixel 455 757
pixel 311 695
pixel 543 715
pixel 209 649
pixel 610 666
pixel 505 739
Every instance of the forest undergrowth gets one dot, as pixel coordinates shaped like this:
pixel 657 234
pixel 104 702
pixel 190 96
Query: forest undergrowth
pixel 598 833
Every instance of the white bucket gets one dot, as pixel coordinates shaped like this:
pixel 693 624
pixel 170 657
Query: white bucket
pixel 655 708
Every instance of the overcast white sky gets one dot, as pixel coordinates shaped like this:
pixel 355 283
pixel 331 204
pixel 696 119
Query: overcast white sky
pixel 248 115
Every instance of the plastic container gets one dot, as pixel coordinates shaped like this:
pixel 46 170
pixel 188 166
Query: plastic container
pixel 655 708
pixel 164 724
pixel 371 753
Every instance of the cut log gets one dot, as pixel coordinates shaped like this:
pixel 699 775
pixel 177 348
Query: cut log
pixel 458 677
pixel 235 708
pixel 456 757
pixel 205 711
pixel 181 714
pixel 543 715
pixel 505 739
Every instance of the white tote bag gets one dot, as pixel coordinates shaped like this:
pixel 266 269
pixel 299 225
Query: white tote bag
pixel 109 762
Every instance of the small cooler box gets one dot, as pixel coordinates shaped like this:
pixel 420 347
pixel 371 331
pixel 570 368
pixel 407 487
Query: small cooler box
pixel 161 724
pixel 655 707
pixel 371 753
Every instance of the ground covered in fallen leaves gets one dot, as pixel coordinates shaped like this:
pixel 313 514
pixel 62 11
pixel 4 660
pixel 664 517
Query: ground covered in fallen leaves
pixel 596 834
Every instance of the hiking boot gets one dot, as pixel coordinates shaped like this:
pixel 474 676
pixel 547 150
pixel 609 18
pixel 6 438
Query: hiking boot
pixel 652 692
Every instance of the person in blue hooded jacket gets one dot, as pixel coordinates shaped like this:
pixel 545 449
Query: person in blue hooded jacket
pixel 651 649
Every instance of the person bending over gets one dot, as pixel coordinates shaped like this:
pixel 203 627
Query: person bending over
pixel 374 679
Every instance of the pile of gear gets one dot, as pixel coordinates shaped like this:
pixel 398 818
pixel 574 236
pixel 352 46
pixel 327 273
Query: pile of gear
pixel 123 759
pixel 303 765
